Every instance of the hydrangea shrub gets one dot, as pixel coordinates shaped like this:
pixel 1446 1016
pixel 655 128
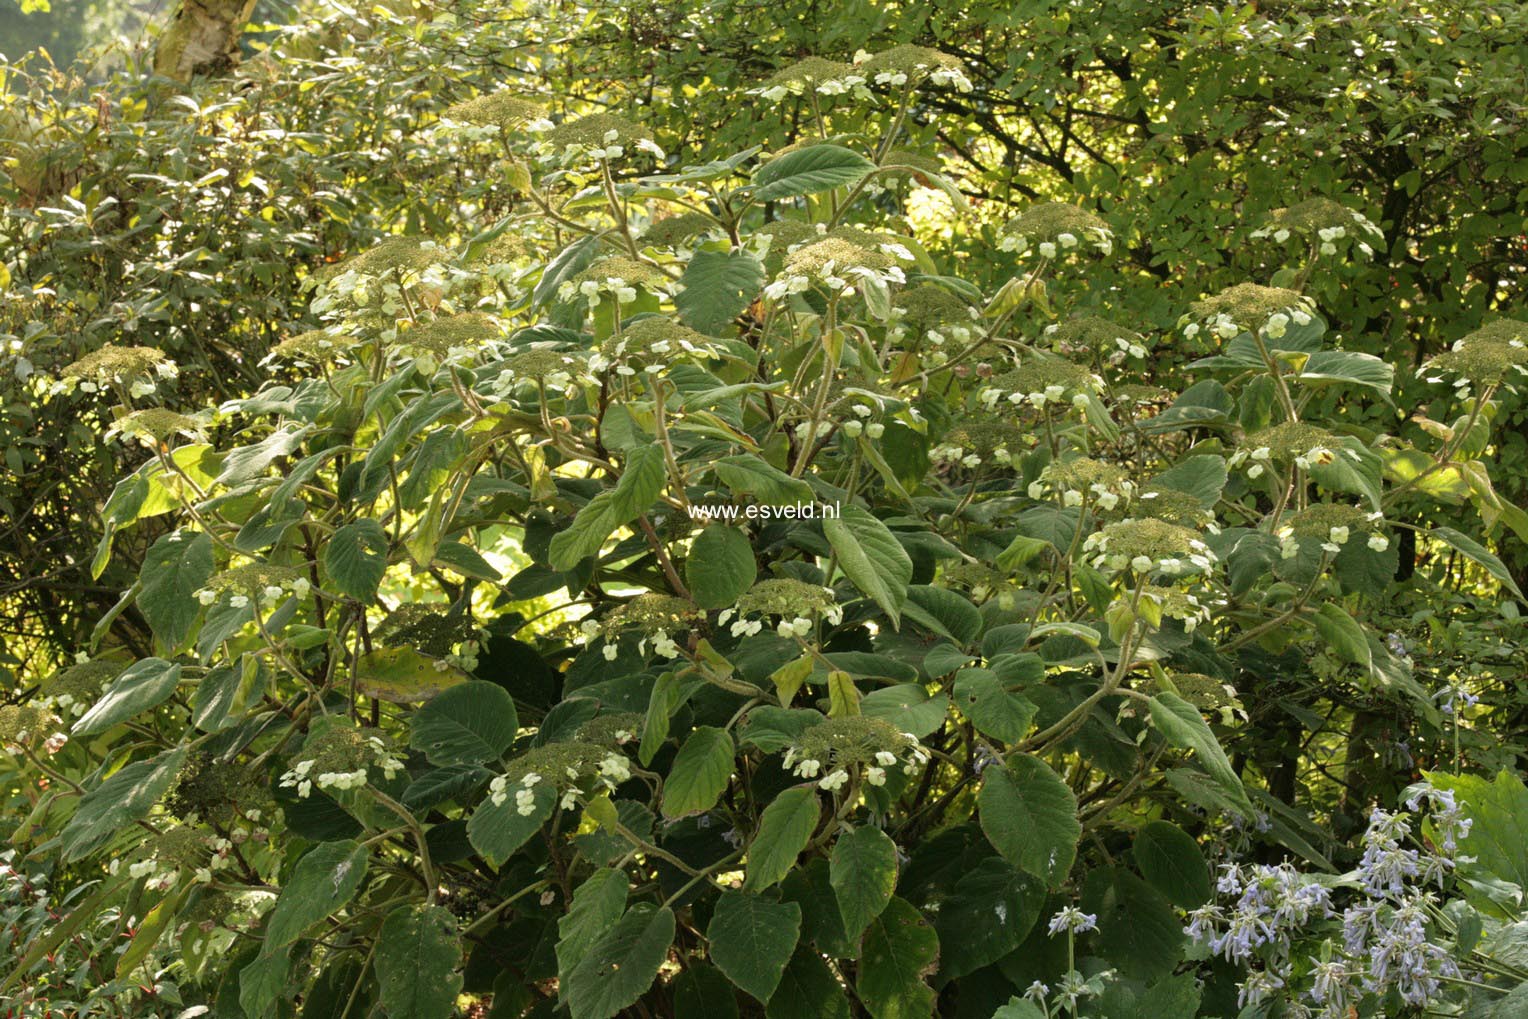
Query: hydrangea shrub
pixel 688 596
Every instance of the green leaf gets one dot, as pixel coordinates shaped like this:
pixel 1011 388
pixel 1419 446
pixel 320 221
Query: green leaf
pixel 872 558
pixel 143 685
pixel 324 879
pixel 1343 634
pixel 718 285
pixel 571 261
pixel 943 613
pixel 436 786
pixel 1355 469
pixel 702 992
pixel 263 983
pixel 809 171
pixel 597 903
pixel 1498 837
pixel 496 830
pixel 467 561
pixel 808 990
pixel 621 965
pixel 1184 727
pixel 863 872
pixel 1328 367
pixel 907 706
pixel 1137 929
pixel 700 772
pixel 470 723
pixel 1172 863
pixel 994 711
pixel 174 570
pixel 404 676
pixel 785 828
pixel 356 558
pixel 634 492
pixel 121 800
pixel 666 697
pixel 1030 816
pixel 1479 553
pixel 752 939
pixel 418 958
pixel 720 567
pixel 843 695
pixel 900 949
pixel 1203 476
pixel 749 475
pixel 1020 1008
pixel 992 910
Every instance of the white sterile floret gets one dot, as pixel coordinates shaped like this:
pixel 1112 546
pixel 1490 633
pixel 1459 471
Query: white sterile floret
pixel 1378 542
pixel 875 776
pixel 885 758
pixel 833 780
pixel 610 651
pixel 615 769
pixel 808 768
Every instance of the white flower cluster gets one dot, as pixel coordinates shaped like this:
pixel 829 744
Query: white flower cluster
pixel 270 592
pixel 796 626
pixel 960 332
pixel 594 291
pixel 1274 327
pixel 613 769
pixel 1102 495
pixel 608 147
pixel 850 82
pixel 912 756
pixel 301 776
pixel 139 386
pixel 951 453
pixel 525 796
pixel 1262 459
pixel 1054 393
pixel 1101 239
pixel 1328 236
pixel 1200 559
pixel 663 645
pixel 839 279
pixel 1336 538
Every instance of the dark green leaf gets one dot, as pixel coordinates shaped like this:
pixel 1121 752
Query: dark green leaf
pixel 1030 816
pixel 418 958
pixel 471 723
pixel 752 939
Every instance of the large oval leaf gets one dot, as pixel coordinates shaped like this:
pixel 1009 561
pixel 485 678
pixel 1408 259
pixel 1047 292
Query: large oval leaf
pixel 752 939
pixel 321 882
pixel 621 964
pixel 700 772
pixel 808 171
pixel 417 960
pixel 872 558
pixel 470 723
pixel 1030 816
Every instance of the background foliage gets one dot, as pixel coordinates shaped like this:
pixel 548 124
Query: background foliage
pixel 431 689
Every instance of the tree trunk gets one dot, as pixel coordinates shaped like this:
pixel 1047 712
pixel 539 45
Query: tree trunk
pixel 202 38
